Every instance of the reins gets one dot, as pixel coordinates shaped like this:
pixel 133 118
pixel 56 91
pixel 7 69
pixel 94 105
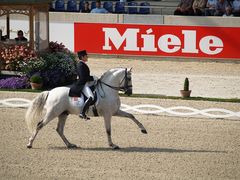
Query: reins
pixel 113 87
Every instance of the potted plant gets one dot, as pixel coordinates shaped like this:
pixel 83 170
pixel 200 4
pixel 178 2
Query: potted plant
pixel 36 81
pixel 186 92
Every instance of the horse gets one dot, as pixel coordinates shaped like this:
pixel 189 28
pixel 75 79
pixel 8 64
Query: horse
pixel 57 103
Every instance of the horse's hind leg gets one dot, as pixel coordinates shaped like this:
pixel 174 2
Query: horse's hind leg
pixel 48 117
pixel 128 115
pixel 34 134
pixel 60 128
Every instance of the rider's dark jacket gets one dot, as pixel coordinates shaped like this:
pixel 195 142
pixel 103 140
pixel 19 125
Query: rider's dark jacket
pixel 83 73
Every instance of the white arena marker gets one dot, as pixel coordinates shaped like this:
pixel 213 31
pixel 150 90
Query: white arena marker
pixel 15 102
pixel 145 109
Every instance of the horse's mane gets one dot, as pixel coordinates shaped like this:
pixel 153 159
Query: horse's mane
pixel 111 71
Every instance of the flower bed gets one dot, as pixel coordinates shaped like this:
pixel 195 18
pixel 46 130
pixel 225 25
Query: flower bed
pixel 13 55
pixel 15 83
pixel 56 65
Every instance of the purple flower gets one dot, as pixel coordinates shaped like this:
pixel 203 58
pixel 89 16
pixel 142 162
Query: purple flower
pixel 14 82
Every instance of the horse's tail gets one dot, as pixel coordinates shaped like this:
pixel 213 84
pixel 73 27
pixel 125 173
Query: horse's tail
pixel 34 111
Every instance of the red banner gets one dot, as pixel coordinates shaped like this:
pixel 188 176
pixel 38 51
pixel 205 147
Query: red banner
pixel 158 40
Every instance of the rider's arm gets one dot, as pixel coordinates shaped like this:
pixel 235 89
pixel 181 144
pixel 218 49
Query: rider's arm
pixel 83 73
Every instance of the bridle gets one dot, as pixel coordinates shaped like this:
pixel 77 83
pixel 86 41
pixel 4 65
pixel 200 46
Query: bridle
pixel 125 88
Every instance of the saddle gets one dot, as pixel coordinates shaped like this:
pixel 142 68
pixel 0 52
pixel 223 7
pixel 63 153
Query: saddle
pixel 79 99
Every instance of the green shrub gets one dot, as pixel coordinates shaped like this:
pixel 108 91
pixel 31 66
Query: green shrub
pixel 56 65
pixel 186 84
pixel 33 65
pixel 55 68
pixel 60 69
pixel 36 79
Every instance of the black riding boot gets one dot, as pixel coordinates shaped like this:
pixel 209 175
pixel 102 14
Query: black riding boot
pixel 85 108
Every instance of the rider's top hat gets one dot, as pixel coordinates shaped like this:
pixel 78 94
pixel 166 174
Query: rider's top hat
pixel 82 53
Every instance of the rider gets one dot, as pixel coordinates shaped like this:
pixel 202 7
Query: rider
pixel 83 73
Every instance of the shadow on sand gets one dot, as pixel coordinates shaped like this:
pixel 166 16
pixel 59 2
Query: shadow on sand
pixel 139 149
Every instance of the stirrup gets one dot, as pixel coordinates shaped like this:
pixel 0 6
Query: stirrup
pixel 84 116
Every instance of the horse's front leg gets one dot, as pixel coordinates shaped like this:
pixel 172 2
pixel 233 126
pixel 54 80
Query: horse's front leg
pixel 107 122
pixel 128 115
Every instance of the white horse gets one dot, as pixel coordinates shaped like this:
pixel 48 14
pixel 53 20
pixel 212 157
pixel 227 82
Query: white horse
pixel 58 104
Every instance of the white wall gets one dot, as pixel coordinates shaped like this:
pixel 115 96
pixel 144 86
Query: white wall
pixel 62 33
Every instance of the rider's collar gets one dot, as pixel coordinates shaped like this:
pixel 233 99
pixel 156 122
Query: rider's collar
pixel 83 61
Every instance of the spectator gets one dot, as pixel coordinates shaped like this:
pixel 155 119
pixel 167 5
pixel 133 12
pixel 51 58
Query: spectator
pixel 184 8
pixel 228 11
pixel 98 8
pixel 221 7
pixel 86 8
pixel 51 7
pixel 210 7
pixel 20 37
pixel 236 7
pixel 199 7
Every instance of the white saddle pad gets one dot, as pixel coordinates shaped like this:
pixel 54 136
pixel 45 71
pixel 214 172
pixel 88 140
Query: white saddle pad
pixel 76 101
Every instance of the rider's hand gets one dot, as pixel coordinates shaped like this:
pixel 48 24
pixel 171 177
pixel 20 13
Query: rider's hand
pixel 95 78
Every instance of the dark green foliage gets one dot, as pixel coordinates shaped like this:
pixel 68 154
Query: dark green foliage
pixel 56 66
pixel 36 79
pixel 186 85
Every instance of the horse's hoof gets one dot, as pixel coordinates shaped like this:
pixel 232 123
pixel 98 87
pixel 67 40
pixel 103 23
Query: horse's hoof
pixel 114 147
pixel 144 131
pixel 29 146
pixel 71 146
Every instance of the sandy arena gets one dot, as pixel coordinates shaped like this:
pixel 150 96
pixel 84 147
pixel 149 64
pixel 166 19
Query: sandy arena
pixel 174 148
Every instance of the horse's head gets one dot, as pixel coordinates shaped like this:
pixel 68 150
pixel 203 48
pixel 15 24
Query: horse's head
pixel 119 79
pixel 128 82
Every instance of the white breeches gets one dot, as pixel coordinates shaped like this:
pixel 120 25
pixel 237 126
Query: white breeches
pixel 87 91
